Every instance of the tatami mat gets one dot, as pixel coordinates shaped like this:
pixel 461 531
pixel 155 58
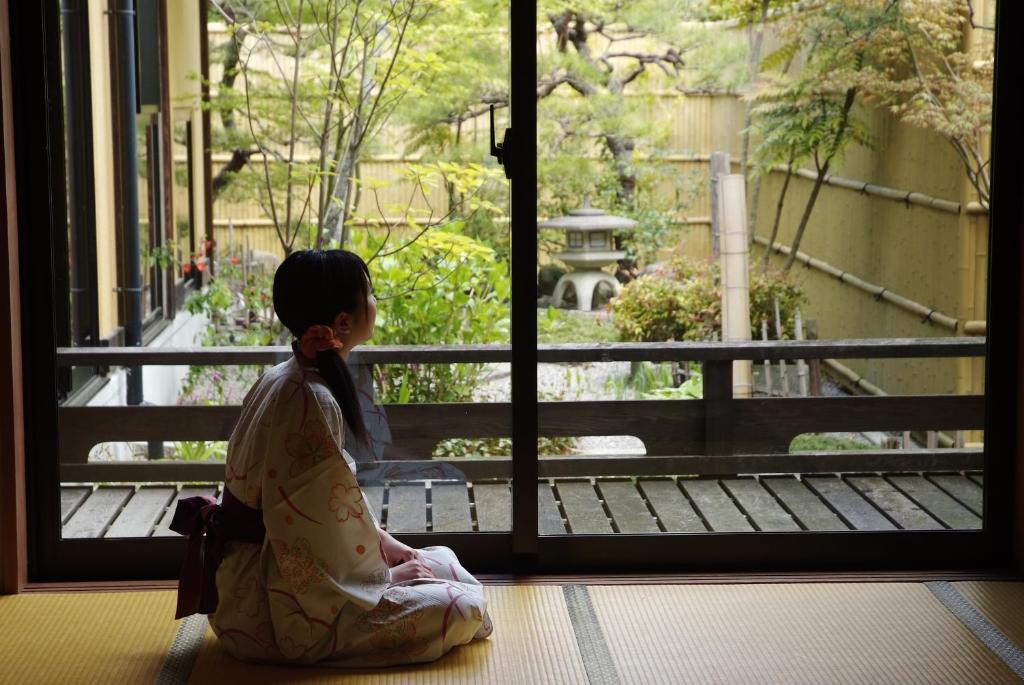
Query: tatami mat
pixel 1000 602
pixel 857 633
pixel 81 638
pixel 533 642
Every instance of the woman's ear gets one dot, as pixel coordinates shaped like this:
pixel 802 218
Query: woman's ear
pixel 343 323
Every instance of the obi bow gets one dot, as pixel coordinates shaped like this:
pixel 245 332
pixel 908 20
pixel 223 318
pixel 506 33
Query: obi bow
pixel 208 526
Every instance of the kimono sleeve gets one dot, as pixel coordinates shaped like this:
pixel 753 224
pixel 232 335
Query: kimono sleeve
pixel 324 542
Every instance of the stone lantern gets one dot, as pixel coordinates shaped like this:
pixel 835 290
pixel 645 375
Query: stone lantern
pixel 589 247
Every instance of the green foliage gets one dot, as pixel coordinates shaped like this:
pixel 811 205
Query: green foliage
pixel 239 310
pixel 691 389
pixel 795 125
pixel 683 302
pixel 162 256
pixel 766 288
pixel 200 450
pixel 239 307
pixel 650 381
pixel 564 326
pixel 316 82
pixel 455 448
pixel 813 442
pixel 442 289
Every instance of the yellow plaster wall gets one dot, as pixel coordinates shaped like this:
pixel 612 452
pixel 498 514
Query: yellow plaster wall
pixel 183 55
pixel 103 166
pixel 183 69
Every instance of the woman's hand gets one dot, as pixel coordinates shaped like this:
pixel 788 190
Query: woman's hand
pixel 396 552
pixel 411 570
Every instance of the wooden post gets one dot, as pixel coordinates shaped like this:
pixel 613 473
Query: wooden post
pixel 814 366
pixel 719 166
pixel 718 407
pixel 245 275
pixel 778 336
pixel 801 367
pixel 767 364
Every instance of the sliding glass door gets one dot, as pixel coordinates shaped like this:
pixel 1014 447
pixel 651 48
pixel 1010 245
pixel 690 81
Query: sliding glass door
pixel 650 296
pixel 762 297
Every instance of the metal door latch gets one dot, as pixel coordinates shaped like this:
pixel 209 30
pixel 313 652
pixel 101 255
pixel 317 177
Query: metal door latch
pixel 503 151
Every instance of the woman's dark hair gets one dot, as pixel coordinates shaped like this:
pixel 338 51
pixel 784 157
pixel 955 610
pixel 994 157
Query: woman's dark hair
pixel 312 287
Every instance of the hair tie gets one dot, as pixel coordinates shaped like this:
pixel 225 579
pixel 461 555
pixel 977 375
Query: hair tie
pixel 318 338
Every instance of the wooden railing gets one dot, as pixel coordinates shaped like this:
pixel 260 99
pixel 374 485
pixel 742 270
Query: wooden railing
pixel 716 435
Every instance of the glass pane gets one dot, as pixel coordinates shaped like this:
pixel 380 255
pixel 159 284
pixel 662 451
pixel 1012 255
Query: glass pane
pixel 182 199
pixel 379 148
pixel 722 175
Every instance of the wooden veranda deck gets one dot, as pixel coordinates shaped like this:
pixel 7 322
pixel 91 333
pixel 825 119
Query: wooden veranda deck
pixel 777 502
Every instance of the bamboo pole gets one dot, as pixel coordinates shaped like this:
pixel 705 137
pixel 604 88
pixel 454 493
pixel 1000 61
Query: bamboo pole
pixel 975 327
pixel 909 197
pixel 732 207
pixel 935 438
pixel 854 378
pixel 880 292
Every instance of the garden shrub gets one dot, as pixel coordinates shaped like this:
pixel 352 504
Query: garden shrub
pixel 681 300
pixel 443 289
pixel 240 312
pixel 567 326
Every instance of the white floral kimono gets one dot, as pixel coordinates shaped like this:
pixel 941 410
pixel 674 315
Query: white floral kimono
pixel 319 588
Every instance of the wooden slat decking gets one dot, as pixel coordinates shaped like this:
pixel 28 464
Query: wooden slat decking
pixel 871 501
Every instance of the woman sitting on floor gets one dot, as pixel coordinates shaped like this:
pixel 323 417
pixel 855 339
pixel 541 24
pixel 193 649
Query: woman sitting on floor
pixel 305 572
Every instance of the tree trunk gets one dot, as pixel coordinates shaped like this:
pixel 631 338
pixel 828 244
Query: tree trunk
pixel 778 217
pixel 239 158
pixel 837 143
pixel 229 70
pixel 755 197
pixel 756 42
pixel 338 208
pixel 818 183
pixel 622 154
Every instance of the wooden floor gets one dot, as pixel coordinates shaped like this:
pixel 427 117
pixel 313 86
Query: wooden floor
pixel 784 502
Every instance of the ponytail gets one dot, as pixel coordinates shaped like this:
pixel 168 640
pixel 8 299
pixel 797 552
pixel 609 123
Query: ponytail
pixel 310 288
pixel 336 374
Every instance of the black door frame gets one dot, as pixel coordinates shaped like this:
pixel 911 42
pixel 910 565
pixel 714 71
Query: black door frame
pixel 35 50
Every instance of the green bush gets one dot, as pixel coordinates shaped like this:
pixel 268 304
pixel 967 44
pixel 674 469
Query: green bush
pixel 443 289
pixel 239 308
pixel 200 450
pixel 565 326
pixel 691 389
pixel 813 442
pixel 682 301
pixel 454 448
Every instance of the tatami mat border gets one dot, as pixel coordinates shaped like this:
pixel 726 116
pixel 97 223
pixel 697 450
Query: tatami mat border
pixel 977 623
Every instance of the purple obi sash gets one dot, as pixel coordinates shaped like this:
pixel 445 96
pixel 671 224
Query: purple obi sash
pixel 208 525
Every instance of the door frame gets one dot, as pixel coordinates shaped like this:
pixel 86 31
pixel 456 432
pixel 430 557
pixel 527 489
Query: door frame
pixel 37 116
